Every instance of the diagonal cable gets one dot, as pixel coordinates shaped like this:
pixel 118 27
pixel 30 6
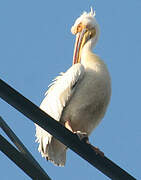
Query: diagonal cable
pixel 21 161
pixel 22 149
pixel 71 140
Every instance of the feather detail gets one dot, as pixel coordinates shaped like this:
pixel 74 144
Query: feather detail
pixel 56 98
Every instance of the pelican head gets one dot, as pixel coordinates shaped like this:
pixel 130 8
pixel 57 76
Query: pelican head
pixel 86 30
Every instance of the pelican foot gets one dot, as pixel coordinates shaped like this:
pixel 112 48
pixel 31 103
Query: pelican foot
pixel 68 125
pixel 82 135
pixel 85 139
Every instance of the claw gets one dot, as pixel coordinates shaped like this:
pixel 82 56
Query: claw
pixel 82 135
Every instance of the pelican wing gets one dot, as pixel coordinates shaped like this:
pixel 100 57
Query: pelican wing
pixel 55 100
pixel 61 90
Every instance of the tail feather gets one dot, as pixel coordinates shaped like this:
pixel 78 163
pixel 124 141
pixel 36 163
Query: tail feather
pixel 57 152
pixel 50 148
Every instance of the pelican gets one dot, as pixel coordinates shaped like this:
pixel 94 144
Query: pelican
pixel 78 98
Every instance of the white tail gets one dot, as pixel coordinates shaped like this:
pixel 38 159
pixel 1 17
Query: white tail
pixel 50 148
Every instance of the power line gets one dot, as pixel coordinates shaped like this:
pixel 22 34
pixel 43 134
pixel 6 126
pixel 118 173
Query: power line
pixel 23 153
pixel 25 164
pixel 71 140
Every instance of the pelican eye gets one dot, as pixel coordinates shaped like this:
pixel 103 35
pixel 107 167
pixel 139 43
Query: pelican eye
pixel 92 32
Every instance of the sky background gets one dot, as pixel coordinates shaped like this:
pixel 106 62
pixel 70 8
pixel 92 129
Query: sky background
pixel 36 44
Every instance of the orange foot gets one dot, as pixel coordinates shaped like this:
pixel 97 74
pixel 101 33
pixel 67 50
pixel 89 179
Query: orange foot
pixel 83 137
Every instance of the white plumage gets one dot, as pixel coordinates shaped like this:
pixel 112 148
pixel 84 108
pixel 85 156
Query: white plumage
pixel 80 96
pixel 53 104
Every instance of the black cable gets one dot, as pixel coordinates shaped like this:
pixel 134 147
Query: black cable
pixel 71 140
pixel 22 149
pixel 20 160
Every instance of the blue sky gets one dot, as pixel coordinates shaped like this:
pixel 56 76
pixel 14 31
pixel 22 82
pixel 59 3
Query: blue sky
pixel 36 44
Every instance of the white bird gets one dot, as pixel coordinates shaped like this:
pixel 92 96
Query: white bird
pixel 78 98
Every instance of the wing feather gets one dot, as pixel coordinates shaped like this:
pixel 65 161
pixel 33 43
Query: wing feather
pixel 56 98
pixel 61 90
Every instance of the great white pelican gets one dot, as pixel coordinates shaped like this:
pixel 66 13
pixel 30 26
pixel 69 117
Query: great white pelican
pixel 78 98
